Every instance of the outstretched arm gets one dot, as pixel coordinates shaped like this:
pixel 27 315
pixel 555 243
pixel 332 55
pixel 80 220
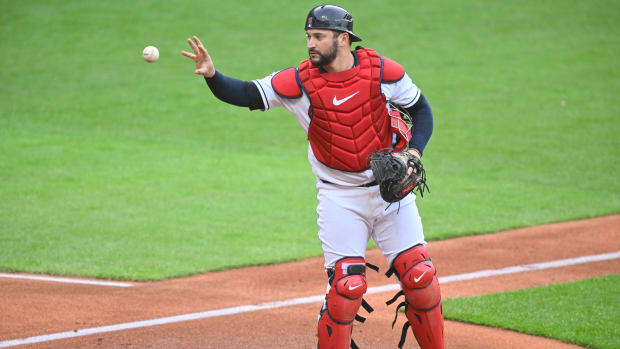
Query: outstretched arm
pixel 230 90
pixel 204 64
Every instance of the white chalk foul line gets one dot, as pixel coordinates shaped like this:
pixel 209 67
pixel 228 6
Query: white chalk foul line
pixel 531 267
pixel 303 300
pixel 162 321
pixel 65 280
pixel 510 270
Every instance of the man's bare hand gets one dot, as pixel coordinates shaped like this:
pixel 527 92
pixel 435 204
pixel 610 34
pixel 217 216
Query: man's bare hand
pixel 204 64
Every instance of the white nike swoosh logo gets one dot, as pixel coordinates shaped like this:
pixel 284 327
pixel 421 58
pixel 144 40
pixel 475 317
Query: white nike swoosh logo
pixel 418 278
pixel 351 288
pixel 338 102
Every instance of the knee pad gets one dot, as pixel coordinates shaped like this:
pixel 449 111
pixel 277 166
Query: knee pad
pixel 348 284
pixel 418 278
pixel 420 286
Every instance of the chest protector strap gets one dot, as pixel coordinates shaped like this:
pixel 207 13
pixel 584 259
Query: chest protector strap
pixel 349 118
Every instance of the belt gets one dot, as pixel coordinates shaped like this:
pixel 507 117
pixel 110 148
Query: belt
pixel 367 185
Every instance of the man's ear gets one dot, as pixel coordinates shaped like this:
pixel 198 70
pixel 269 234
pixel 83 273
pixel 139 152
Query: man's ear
pixel 345 39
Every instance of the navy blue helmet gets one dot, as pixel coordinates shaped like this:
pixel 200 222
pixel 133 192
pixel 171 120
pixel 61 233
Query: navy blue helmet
pixel 331 17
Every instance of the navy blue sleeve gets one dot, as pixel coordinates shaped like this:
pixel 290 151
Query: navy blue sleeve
pixel 422 117
pixel 236 92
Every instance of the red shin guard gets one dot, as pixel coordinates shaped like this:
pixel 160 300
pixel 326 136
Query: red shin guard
pixel 347 286
pixel 419 283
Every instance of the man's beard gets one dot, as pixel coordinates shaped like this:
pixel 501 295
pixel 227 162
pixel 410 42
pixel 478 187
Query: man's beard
pixel 325 58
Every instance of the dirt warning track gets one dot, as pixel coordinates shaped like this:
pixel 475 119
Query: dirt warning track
pixel 276 306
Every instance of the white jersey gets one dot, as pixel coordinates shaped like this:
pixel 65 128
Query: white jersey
pixel 402 92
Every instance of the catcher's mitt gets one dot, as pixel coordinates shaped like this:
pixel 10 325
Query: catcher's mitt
pixel 391 172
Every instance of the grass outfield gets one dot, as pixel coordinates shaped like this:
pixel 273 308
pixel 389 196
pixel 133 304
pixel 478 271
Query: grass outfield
pixel 115 168
pixel 584 312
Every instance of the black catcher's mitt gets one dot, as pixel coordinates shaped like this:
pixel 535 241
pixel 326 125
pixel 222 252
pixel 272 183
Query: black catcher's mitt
pixel 391 172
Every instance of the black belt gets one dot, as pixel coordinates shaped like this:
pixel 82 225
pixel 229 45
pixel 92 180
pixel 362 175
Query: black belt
pixel 367 185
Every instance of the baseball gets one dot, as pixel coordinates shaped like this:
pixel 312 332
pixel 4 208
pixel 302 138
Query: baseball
pixel 150 54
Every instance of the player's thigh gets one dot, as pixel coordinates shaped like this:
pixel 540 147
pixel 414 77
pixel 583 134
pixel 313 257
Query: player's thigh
pixel 344 228
pixel 399 229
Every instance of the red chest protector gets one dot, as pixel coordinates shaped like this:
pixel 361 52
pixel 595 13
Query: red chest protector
pixel 349 118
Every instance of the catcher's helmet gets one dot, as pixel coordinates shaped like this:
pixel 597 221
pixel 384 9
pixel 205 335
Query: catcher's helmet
pixel 331 17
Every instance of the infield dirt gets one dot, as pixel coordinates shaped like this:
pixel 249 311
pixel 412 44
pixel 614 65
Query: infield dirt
pixel 32 308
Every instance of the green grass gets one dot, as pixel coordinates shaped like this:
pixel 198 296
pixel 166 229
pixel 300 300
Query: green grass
pixel 114 168
pixel 583 312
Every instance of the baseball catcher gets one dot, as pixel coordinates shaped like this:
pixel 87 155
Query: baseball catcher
pixel 348 101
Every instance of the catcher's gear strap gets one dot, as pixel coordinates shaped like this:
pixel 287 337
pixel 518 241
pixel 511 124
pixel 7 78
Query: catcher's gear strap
pixel 348 284
pixel 286 83
pixel 420 286
pixel 392 71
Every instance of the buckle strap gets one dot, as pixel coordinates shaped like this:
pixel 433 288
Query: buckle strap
pixel 398 294
pixel 367 306
pixel 402 304
pixel 406 326
pixel 390 272
pixel 403 335
pixel 372 266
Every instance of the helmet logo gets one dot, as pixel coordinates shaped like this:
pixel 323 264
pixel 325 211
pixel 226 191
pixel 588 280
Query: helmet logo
pixel 309 21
